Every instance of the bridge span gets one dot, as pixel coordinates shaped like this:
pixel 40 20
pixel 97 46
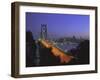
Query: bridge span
pixel 64 58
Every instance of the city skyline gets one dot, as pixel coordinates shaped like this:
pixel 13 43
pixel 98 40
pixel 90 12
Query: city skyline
pixel 58 25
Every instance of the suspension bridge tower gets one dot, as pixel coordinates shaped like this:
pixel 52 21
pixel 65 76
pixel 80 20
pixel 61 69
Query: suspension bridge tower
pixel 44 31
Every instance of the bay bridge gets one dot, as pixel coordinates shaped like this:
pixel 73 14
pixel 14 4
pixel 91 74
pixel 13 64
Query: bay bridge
pixel 47 53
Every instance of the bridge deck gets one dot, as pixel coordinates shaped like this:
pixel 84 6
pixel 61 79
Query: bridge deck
pixel 64 58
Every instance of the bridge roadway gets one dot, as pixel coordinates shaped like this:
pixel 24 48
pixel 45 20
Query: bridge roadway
pixel 64 58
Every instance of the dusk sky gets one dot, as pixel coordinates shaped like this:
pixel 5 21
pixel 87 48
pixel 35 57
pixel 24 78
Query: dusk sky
pixel 58 25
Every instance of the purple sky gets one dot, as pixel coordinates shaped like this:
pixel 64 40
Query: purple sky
pixel 58 25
